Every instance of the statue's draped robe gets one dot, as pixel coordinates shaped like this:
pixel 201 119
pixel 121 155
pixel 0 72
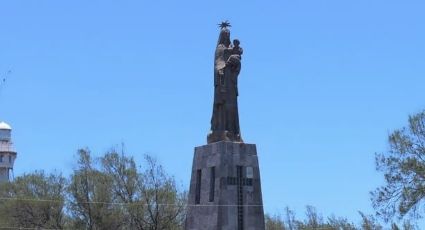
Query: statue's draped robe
pixel 225 118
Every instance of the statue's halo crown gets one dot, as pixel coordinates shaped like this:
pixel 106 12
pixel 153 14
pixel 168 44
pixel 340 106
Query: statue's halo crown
pixel 224 24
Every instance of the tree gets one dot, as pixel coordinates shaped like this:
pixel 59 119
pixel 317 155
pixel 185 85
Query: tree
pixel 110 192
pixel 165 206
pixel 125 182
pixel 404 172
pixel 33 200
pixel 90 197
pixel 314 220
pixel 151 198
pixel 274 222
pixel 369 222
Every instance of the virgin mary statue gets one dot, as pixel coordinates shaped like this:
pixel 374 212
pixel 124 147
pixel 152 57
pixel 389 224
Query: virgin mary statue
pixel 227 65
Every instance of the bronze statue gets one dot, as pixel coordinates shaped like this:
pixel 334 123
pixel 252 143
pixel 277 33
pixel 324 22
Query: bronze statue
pixel 227 65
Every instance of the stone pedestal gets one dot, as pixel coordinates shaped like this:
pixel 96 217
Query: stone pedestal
pixel 225 188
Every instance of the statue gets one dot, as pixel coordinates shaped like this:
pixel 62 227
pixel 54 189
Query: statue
pixel 227 65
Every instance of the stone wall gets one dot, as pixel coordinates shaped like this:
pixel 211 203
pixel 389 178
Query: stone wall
pixel 237 200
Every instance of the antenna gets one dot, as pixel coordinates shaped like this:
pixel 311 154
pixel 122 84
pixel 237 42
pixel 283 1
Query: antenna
pixel 3 80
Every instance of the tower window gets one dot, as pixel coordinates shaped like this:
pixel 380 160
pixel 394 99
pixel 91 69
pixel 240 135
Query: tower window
pixel 1 158
pixel 10 159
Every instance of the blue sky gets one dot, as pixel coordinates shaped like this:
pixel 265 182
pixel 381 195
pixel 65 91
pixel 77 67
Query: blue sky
pixel 322 85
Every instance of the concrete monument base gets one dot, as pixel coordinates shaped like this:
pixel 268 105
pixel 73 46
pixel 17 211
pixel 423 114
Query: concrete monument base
pixel 225 188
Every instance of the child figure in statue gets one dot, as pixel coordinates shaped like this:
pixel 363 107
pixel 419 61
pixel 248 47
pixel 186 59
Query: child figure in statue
pixel 236 49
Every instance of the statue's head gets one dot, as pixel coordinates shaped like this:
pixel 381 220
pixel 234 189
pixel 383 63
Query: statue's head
pixel 224 37
pixel 236 42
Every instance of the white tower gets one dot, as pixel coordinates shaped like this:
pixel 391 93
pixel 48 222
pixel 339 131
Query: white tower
pixel 7 153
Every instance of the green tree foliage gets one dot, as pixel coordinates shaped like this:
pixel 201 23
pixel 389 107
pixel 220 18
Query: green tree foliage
pixel 125 183
pixel 315 221
pixel 159 195
pixel 274 222
pixel 91 197
pixel 109 192
pixel 404 172
pixel 112 193
pixel 369 223
pixel 33 200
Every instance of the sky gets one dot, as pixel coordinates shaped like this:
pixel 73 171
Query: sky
pixel 322 85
